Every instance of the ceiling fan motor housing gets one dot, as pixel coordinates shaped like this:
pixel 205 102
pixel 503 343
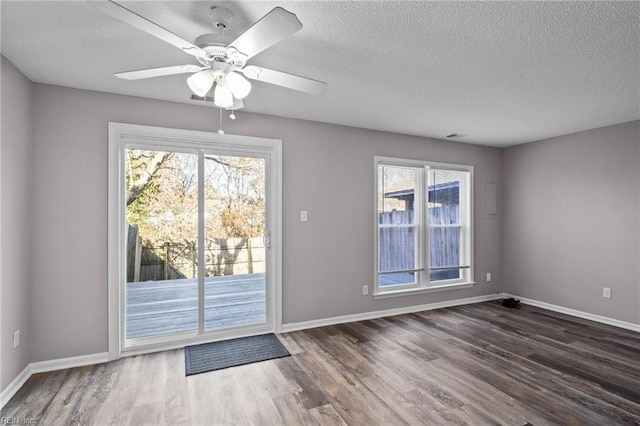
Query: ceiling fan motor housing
pixel 213 44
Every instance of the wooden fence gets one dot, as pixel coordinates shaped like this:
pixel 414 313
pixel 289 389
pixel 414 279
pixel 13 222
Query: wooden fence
pixel 397 244
pixel 174 260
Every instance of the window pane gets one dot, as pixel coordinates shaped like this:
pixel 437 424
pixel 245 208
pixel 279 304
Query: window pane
pixel 444 197
pixel 401 278
pixel 396 192
pixel 396 238
pixel 445 252
pixel 451 274
pixel 162 235
pixel 396 249
pixel 234 251
pixel 444 210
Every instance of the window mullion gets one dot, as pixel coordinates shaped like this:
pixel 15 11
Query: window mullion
pixel 465 221
pixel 426 236
pixel 200 251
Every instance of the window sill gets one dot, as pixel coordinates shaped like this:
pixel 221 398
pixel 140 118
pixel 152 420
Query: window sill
pixel 431 289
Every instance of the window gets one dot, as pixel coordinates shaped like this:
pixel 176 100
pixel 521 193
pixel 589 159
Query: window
pixel 423 226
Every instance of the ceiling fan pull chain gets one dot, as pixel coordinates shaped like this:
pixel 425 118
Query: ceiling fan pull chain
pixel 220 132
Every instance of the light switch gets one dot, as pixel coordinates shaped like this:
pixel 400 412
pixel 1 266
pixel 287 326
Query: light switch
pixel 303 216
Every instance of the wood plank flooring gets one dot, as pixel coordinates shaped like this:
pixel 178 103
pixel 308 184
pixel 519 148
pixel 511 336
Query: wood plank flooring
pixel 479 364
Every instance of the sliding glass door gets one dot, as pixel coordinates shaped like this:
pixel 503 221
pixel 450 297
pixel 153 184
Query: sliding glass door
pixel 235 236
pixel 197 221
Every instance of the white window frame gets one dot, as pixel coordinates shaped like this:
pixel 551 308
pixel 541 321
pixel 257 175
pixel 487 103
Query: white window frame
pixel 422 265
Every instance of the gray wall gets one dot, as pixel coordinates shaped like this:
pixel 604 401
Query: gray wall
pixel 569 213
pixel 16 146
pixel 571 221
pixel 327 169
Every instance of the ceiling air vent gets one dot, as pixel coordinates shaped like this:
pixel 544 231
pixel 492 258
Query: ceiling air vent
pixel 455 135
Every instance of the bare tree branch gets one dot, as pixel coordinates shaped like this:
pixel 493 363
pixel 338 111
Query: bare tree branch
pixel 146 177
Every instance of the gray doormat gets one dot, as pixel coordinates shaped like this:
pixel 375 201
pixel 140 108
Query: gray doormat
pixel 230 353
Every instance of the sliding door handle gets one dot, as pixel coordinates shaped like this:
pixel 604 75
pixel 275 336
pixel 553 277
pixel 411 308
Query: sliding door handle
pixel 266 239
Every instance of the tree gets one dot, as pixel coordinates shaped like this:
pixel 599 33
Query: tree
pixel 163 200
pixel 162 197
pixel 240 187
pixel 143 167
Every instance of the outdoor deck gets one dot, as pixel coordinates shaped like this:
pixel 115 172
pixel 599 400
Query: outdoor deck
pixel 161 307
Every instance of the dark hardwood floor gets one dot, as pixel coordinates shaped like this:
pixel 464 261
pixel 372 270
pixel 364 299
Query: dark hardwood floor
pixel 475 365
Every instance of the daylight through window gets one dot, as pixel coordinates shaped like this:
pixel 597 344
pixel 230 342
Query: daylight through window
pixel 423 220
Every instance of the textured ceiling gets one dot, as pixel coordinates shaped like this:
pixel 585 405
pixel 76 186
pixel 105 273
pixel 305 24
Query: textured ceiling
pixel 501 73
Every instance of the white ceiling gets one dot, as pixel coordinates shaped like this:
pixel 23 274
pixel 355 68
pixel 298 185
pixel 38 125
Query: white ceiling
pixel 502 73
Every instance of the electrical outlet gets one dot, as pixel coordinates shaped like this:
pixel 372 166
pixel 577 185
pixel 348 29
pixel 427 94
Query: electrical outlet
pixel 606 292
pixel 303 216
pixel 16 338
pixel 365 290
pixel 488 276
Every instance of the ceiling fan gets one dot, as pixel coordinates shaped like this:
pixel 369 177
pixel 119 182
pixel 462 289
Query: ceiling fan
pixel 222 63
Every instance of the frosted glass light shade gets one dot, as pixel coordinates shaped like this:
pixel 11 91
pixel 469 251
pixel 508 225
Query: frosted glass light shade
pixel 222 96
pixel 201 82
pixel 240 86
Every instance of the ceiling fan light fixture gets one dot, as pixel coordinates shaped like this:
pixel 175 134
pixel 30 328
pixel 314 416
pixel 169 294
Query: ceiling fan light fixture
pixel 201 82
pixel 222 96
pixel 239 86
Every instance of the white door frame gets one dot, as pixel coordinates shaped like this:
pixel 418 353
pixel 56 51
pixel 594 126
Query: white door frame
pixel 120 135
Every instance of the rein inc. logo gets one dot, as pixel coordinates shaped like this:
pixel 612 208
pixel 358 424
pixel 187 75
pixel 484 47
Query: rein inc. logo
pixel 17 421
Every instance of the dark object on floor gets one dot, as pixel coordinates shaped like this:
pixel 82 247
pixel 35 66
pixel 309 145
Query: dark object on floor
pixel 511 303
pixel 230 353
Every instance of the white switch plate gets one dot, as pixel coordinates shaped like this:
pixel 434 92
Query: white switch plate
pixel 488 276
pixel 303 216
pixel 16 338
pixel 365 290
pixel 606 292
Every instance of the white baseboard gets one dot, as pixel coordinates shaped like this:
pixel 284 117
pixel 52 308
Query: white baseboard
pixel 576 313
pixel 46 366
pixel 15 386
pixel 62 363
pixel 295 326
pixel 438 305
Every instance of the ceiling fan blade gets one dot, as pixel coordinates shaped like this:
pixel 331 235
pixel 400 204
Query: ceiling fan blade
pixel 129 17
pixel 158 72
pixel 284 79
pixel 269 30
